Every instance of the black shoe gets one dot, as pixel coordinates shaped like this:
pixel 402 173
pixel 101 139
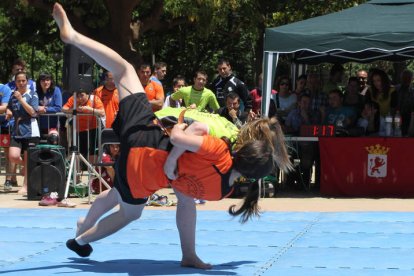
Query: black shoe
pixel 81 250
pixel 14 183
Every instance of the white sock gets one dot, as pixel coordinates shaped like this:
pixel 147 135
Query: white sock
pixel 80 241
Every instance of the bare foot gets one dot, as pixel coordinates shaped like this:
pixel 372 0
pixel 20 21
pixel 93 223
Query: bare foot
pixel 195 262
pixel 66 30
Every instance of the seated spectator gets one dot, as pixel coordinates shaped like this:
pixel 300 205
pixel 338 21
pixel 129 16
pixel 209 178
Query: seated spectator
pixel 380 91
pixel 301 115
pixel 284 99
pixel 86 125
pixel 232 110
pixel 371 120
pixel 178 82
pixel 300 85
pixel 111 153
pixel 50 102
pixel 352 97
pixel 337 114
pixel 197 96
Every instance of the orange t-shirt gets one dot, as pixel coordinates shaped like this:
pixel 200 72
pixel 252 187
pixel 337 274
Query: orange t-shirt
pixel 154 91
pixel 197 172
pixel 110 100
pixel 196 175
pixel 86 122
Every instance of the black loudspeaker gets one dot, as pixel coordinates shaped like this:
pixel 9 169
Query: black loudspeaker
pixel 77 70
pixel 46 171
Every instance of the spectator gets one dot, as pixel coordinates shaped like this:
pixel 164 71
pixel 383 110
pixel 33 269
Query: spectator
pixel 197 96
pixel 23 106
pixel 256 96
pixel 86 124
pixel 19 65
pixel 50 102
pixel 307 152
pixel 403 99
pixel 337 114
pixel 5 93
pixel 178 82
pixel 232 111
pixel 319 101
pixel 284 99
pixel 111 153
pixel 108 94
pixel 226 82
pixel 335 79
pixel 300 85
pixel 362 76
pixel 371 120
pixel 154 90
pixel 381 91
pixel 160 70
pixel 352 97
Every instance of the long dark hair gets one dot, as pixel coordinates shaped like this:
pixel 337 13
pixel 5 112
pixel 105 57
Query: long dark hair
pixel 45 76
pixel 385 83
pixel 259 147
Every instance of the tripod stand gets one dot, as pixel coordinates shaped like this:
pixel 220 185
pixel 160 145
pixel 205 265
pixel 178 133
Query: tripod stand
pixel 76 157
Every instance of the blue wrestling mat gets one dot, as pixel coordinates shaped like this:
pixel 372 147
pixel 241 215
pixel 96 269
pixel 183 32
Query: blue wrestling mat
pixel 32 242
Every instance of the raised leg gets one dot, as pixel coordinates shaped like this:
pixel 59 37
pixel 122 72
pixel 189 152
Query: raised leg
pixel 124 73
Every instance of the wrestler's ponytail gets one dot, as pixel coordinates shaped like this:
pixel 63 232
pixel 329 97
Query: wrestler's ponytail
pixel 250 206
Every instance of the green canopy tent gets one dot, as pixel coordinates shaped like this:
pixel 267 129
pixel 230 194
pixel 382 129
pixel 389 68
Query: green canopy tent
pixel 376 30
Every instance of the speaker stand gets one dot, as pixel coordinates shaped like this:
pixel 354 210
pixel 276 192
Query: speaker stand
pixel 74 160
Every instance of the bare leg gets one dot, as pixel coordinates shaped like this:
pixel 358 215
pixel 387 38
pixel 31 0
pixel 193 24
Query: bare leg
pixel 186 224
pixel 104 202
pixel 15 157
pixel 111 223
pixel 124 73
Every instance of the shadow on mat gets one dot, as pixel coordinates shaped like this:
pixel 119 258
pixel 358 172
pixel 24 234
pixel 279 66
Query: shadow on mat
pixel 134 267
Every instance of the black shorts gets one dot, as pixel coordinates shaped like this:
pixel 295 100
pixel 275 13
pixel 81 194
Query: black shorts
pixel 24 143
pixel 135 126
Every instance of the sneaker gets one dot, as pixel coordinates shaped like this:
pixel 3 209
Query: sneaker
pixel 8 186
pixel 47 201
pixel 14 183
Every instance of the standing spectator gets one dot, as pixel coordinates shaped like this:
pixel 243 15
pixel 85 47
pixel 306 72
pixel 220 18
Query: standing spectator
pixel 23 106
pixel 160 70
pixel 284 98
pixel 154 90
pixel 352 97
pixel 197 96
pixel 50 101
pixel 256 96
pixel 178 82
pixel 108 94
pixel 232 110
pixel 5 93
pixel 226 82
pixel 381 90
pixel 403 99
pixel 362 76
pixel 300 85
pixel 319 100
pixel 335 79
pixel 87 125
pixel 308 152
pixel 19 65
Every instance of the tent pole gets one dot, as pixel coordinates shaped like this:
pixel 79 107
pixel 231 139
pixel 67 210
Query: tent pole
pixel 270 64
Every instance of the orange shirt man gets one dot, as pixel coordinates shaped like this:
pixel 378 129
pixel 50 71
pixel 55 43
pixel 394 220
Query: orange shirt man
pixel 154 91
pixel 108 94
